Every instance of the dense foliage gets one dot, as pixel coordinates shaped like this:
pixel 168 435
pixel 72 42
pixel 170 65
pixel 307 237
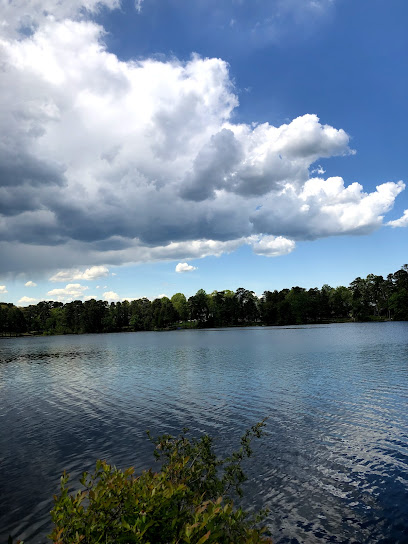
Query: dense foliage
pixel 190 500
pixel 371 298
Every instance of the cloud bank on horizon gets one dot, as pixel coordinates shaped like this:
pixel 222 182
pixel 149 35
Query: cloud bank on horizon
pixel 104 161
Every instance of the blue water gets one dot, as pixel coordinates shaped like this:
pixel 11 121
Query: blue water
pixel 333 466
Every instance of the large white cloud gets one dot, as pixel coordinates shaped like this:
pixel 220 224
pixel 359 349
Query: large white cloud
pixel 109 162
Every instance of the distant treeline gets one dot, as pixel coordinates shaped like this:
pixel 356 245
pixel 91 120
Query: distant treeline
pixel 372 298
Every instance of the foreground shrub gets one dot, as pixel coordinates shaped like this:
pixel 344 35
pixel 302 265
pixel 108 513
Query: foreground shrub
pixel 190 500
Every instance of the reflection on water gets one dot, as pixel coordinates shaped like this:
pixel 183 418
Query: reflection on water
pixel 332 468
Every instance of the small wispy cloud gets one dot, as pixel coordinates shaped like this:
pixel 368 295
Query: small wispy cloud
pixel 318 170
pixel 3 289
pixel 30 284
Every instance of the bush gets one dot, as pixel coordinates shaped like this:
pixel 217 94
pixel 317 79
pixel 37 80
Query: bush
pixel 190 500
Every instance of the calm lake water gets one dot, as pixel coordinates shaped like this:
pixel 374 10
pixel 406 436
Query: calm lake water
pixel 333 466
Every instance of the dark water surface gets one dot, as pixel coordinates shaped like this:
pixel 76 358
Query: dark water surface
pixel 333 466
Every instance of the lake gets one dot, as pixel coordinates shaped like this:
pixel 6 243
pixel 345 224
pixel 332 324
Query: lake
pixel 332 467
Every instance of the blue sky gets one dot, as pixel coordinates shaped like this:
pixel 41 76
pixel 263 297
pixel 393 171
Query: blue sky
pixel 243 141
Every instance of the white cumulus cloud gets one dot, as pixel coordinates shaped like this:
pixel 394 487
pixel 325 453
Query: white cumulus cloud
pixel 185 267
pixel 401 222
pixel 70 292
pixel 92 273
pixel 30 284
pixel 111 296
pixel 27 300
pixel 271 246
pixel 3 289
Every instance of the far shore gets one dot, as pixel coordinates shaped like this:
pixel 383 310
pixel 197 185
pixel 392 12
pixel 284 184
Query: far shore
pixel 197 328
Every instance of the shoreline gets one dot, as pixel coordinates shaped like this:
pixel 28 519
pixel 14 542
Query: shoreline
pixel 175 328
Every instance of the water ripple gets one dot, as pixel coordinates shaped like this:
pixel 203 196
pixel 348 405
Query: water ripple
pixel 333 466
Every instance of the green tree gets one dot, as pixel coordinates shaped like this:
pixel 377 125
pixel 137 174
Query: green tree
pixel 269 306
pixel 190 500
pixel 56 323
pixel 341 301
pixel 247 306
pixel 42 313
pixel 198 305
pixel 222 307
pixel 141 314
pixel 360 299
pixel 93 315
pixel 12 319
pixel 401 277
pixel 157 315
pixel 168 312
pixel 377 294
pixel 399 305
pixel 298 301
pixel 180 304
pixel 73 316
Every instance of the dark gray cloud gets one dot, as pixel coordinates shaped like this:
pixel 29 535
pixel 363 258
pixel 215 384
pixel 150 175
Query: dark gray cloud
pixel 15 200
pixel 20 168
pixel 213 167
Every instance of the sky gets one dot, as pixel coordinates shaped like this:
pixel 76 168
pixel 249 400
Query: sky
pixel 151 147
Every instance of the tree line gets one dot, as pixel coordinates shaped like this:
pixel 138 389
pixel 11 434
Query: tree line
pixel 365 299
